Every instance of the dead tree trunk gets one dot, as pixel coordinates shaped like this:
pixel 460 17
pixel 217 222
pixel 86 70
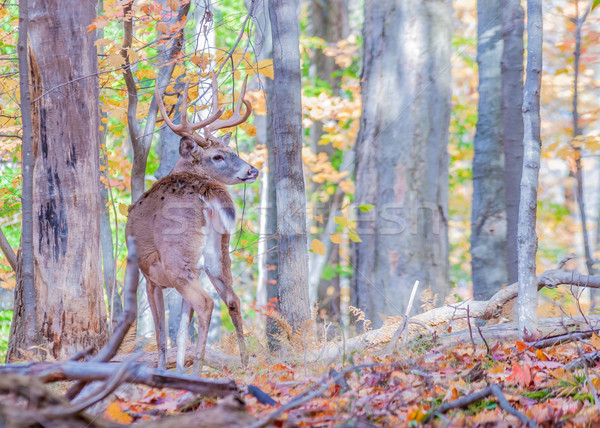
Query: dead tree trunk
pixel 287 154
pixel 532 146
pixel 68 297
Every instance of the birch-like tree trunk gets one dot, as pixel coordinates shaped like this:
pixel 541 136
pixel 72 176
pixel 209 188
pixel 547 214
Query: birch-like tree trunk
pixel 287 155
pixel 512 123
pixel 401 154
pixel 488 216
pixel 266 288
pixel 532 146
pixel 69 312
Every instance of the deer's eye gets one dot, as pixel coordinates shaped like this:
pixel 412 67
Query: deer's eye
pixel 218 158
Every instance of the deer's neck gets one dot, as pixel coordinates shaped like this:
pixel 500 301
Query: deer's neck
pixel 184 165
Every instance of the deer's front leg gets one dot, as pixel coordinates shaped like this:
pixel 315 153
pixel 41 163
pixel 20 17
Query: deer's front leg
pixel 217 265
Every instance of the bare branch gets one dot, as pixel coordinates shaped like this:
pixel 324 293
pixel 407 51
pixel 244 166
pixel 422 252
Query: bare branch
pixel 8 251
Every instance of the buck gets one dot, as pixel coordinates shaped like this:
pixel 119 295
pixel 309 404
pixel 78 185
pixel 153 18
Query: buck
pixel 183 223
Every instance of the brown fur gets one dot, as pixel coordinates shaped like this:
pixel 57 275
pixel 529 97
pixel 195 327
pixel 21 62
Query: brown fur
pixel 173 191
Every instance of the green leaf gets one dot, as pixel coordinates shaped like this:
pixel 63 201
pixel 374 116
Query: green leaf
pixel 596 3
pixel 368 207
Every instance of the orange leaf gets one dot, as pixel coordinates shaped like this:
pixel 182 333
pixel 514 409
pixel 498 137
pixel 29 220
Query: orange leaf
pixel 595 341
pixel 114 413
pixel 521 346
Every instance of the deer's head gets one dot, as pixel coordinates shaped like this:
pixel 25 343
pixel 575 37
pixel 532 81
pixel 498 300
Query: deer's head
pixel 208 154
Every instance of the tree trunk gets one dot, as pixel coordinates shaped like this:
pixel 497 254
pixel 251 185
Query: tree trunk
pixel 69 303
pixel 287 155
pixel 115 306
pixel 488 216
pixel 268 255
pixel 512 123
pixel 401 154
pixel 579 21
pixel 329 21
pixel 532 146
pixel 23 326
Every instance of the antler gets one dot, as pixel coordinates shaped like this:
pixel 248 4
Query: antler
pixel 236 118
pixel 212 123
pixel 186 129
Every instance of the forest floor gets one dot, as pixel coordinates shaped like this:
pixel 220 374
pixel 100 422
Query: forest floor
pixel 415 386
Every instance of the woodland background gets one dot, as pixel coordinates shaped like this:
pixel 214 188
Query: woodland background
pixel 331 69
pixel 411 150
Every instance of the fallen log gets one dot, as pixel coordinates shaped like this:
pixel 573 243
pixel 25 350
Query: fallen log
pixel 212 358
pixel 549 328
pixel 136 373
pixel 438 317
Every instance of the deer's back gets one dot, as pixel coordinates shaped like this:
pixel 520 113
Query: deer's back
pixel 177 211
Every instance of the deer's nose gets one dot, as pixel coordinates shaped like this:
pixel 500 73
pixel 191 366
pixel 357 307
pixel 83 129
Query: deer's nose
pixel 252 172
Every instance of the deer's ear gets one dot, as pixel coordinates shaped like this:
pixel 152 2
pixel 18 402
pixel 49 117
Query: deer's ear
pixel 188 147
pixel 225 139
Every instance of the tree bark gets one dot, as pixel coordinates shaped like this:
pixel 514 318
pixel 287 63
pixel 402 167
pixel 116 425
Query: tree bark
pixel 532 146
pixel 401 154
pixel 69 303
pixel 488 216
pixel 106 235
pixel 23 326
pixel 512 123
pixel 287 155
pixel 268 254
pixel 579 21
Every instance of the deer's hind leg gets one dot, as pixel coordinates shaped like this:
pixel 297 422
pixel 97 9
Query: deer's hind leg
pixel 182 334
pixel 217 265
pixel 157 306
pixel 180 268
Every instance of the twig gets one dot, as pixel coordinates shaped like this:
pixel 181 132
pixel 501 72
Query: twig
pixel 470 329
pixel 404 324
pixel 112 383
pixel 84 353
pixel 563 338
pixel 135 373
pixel 588 380
pixel 505 405
pixel 8 251
pixel 298 401
pixel 585 360
pixel 487 347
pixel 469 399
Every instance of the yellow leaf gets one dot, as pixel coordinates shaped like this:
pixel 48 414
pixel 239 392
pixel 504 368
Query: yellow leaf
pixel 124 209
pixel 354 236
pixel 115 60
pixel 171 99
pixel 336 238
pixel 103 42
pixel 145 74
pixel 248 128
pixel 317 247
pixel 342 221
pixel 265 67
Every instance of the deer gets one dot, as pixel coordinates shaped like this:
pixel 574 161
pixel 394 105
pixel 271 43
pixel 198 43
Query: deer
pixel 182 226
